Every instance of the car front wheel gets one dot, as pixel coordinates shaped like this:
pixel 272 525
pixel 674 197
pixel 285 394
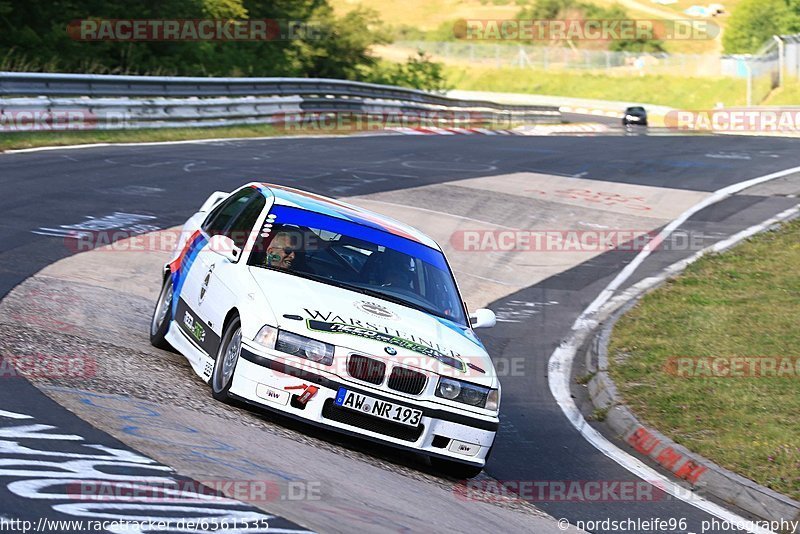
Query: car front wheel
pixel 162 316
pixel 227 357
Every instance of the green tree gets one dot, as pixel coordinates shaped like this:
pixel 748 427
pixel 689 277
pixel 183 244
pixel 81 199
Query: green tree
pixel 34 36
pixel 418 72
pixel 342 49
pixel 224 9
pixel 753 22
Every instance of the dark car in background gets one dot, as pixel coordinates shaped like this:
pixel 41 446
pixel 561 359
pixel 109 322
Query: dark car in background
pixel 634 115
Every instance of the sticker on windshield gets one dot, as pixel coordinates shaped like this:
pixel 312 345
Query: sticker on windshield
pixel 366 333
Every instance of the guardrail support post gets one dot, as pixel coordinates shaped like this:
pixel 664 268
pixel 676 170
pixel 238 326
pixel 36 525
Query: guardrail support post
pixel 781 58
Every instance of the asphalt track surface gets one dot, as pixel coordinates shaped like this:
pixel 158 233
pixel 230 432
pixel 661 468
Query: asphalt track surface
pixel 536 442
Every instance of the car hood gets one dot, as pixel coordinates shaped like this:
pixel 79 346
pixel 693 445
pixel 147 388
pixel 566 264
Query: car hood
pixel 374 327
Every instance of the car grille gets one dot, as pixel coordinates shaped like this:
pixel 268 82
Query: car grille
pixel 366 369
pixel 372 424
pixel 407 381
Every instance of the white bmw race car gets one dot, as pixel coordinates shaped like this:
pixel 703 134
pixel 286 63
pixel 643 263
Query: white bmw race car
pixel 335 315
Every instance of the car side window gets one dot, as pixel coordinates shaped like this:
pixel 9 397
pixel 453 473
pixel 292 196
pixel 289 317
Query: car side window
pixel 242 224
pixel 219 218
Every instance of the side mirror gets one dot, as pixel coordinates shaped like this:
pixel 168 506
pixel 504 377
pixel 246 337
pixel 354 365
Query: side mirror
pixel 482 318
pixel 225 247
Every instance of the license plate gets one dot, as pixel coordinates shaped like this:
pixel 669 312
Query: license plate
pixel 389 411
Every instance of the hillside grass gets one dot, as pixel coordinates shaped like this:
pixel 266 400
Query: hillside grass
pixel 789 95
pixel 674 91
pixel 18 140
pixel 429 15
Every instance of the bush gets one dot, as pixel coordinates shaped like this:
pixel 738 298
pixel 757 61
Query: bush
pixel 418 72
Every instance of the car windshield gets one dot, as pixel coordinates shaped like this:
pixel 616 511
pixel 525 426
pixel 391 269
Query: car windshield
pixel 359 258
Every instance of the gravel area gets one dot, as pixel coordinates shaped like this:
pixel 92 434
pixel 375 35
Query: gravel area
pixel 102 335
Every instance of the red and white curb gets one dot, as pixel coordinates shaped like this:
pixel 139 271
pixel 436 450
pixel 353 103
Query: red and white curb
pixel 452 131
pixel 560 364
pixel 575 128
pixel 538 129
pixel 581 110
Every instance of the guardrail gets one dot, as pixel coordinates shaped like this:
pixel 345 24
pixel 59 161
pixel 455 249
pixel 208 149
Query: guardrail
pixel 120 102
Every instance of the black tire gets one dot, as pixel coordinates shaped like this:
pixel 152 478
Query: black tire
pixel 455 470
pixel 230 348
pixel 162 316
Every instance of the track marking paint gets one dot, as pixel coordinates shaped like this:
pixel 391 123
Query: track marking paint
pixel 12 415
pixel 435 212
pixel 560 364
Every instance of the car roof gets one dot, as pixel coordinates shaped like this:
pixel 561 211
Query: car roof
pixel 296 198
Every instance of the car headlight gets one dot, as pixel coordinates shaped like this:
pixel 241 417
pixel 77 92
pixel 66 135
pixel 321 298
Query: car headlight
pixel 467 393
pixel 305 347
pixel 449 389
pixel 493 400
pixel 267 336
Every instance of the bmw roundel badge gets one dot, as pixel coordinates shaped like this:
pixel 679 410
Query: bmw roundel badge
pixel 391 351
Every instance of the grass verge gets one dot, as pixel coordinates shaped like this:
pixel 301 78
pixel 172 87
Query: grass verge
pixel 16 140
pixel 676 91
pixel 741 303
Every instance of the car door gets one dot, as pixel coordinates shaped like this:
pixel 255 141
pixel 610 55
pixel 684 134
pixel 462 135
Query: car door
pixel 221 280
pixel 205 291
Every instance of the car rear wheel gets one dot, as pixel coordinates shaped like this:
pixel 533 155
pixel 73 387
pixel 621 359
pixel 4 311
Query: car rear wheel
pixel 162 316
pixel 227 357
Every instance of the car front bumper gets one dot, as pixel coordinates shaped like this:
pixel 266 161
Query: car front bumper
pixel 443 432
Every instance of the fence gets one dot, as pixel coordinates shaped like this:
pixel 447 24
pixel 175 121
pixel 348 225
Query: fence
pixel 544 57
pixel 777 61
pixel 120 102
pixel 623 63
pixel 789 54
